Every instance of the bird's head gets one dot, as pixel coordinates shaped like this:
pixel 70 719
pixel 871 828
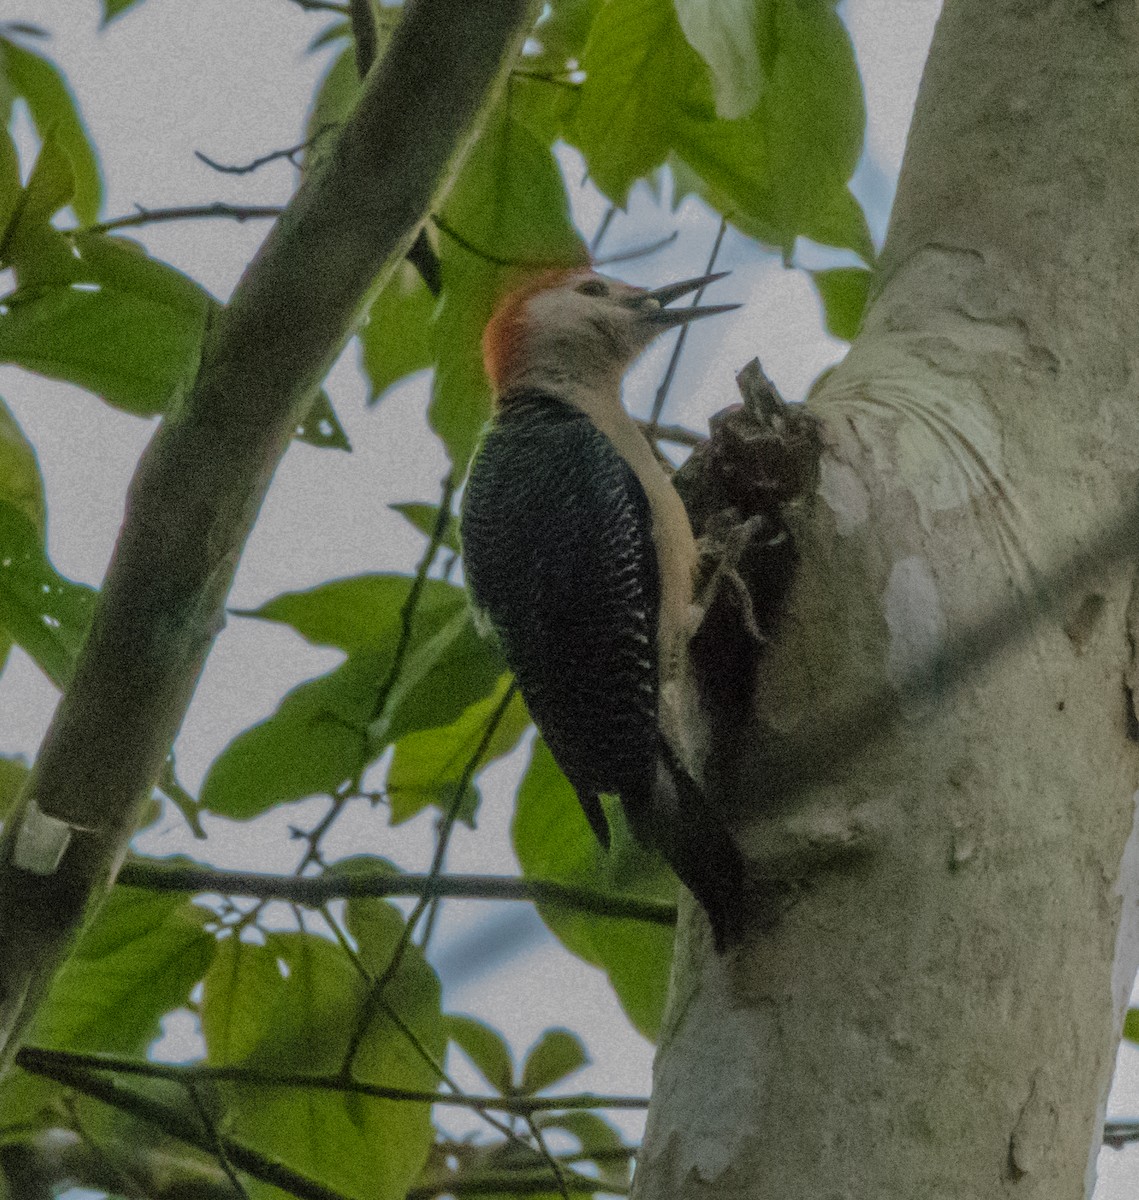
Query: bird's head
pixel 577 325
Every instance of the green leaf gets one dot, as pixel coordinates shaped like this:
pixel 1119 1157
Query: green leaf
pixel 1131 1025
pixel 21 484
pixel 405 1039
pixel 641 75
pixel 321 427
pixel 444 673
pixel 357 865
pixel 396 339
pixel 10 188
pixel 355 1145
pixel 47 615
pixel 323 733
pixel 14 772
pixel 545 108
pixel 339 90
pixel 509 204
pixel 244 982
pixel 553 841
pixel 545 89
pixel 563 32
pixel 485 1047
pixel 412 995
pixel 844 292
pixel 115 8
pixel 335 32
pixel 121 324
pixel 44 613
pixel 363 612
pixel 427 767
pixel 781 172
pixel 424 516
pixel 556 1054
pixel 138 960
pixel 54 111
pixel 315 741
pixel 37 251
pixel 723 33
pixel 460 393
pixel 99 312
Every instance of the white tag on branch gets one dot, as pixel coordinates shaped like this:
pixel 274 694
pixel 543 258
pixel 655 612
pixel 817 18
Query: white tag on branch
pixel 40 841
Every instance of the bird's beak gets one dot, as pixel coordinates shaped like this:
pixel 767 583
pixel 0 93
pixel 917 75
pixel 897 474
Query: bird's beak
pixel 652 309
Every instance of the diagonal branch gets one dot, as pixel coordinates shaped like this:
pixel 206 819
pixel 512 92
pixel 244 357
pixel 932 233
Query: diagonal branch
pixel 201 482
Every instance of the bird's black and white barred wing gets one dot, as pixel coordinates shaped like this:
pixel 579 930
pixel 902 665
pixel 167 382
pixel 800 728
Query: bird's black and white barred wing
pixel 559 554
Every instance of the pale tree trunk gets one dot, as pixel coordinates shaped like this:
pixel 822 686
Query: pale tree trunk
pixel 935 1012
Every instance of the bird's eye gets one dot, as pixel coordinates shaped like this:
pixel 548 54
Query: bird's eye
pixel 593 287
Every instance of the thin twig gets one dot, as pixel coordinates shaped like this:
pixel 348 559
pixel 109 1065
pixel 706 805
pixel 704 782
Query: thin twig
pixel 364 33
pixel 495 260
pixel 290 153
pixel 192 212
pixel 218 1148
pixel 678 349
pixel 200 485
pixel 311 855
pixel 124 1174
pixel 638 251
pixel 316 834
pixel 602 230
pixel 408 1033
pixel 509 1183
pixel 1119 1133
pixel 446 827
pixel 70 1073
pixel 313 891
pixel 421 255
pixel 52 1063
pixel 407 612
pixel 547 77
pixel 551 1161
pixel 178 796
pixel 676 434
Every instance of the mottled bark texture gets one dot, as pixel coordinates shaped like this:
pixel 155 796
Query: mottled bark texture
pixel 934 1009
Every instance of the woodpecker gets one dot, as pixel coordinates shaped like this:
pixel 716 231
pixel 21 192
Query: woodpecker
pixel 579 554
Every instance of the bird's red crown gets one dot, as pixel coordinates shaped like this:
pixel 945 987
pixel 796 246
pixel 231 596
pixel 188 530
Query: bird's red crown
pixel 502 338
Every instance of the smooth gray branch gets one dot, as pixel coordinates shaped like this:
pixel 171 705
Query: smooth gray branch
pixel 201 482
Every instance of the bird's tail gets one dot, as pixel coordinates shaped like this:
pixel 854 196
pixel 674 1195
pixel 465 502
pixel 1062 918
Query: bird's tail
pixel 691 833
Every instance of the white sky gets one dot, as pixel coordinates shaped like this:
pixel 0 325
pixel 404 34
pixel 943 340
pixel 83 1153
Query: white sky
pixel 229 77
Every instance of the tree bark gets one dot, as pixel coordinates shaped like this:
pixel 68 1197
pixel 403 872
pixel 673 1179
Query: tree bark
pixel 200 483
pixel 934 1008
